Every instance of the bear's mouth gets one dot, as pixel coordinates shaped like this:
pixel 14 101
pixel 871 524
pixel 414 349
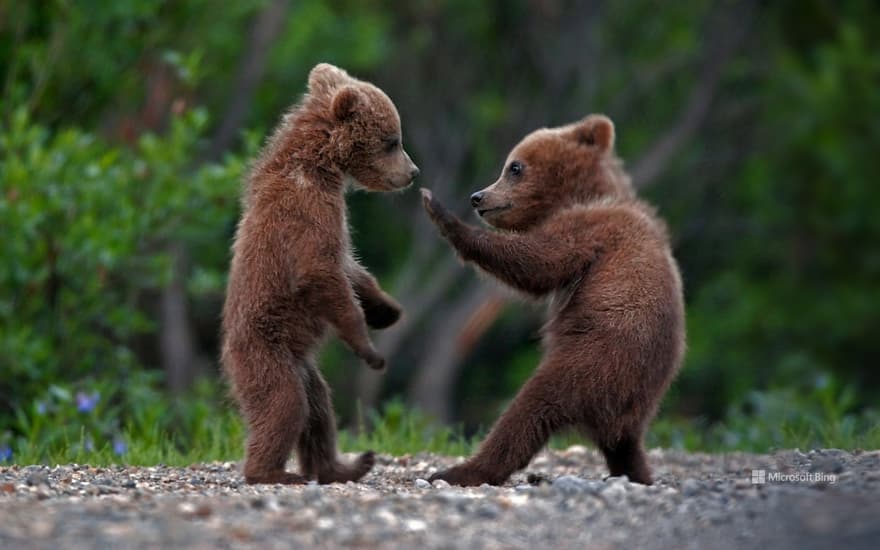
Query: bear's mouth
pixel 398 185
pixel 483 211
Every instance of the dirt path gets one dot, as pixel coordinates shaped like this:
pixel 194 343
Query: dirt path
pixel 698 501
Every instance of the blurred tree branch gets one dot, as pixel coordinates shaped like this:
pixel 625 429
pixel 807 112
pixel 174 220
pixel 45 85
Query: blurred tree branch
pixel 726 37
pixel 465 320
pixel 176 335
pixel 265 29
pixel 417 301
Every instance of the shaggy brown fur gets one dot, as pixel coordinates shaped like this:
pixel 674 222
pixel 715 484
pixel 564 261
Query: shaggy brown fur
pixel 293 273
pixel 576 234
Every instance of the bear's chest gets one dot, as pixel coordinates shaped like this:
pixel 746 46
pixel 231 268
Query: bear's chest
pixel 561 298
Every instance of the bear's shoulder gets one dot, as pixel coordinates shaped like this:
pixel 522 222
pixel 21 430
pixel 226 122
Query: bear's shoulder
pixel 611 216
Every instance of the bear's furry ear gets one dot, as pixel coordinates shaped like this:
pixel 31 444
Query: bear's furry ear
pixel 596 131
pixel 325 77
pixel 345 102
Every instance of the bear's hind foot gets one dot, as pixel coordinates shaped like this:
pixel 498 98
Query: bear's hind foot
pixel 341 473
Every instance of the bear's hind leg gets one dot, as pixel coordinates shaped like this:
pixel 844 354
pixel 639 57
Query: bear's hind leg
pixel 317 443
pixel 537 411
pixel 275 407
pixel 627 457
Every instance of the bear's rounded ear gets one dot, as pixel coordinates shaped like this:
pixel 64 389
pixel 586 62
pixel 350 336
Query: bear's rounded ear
pixel 325 77
pixel 345 103
pixel 596 131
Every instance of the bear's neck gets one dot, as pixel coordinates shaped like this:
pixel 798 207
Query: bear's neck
pixel 303 146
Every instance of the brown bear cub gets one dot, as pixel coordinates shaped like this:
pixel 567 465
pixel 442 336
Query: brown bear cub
pixel 293 273
pixel 573 231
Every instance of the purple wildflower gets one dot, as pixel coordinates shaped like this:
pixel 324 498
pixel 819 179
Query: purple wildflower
pixel 120 447
pixel 5 453
pixel 86 402
pixel 41 407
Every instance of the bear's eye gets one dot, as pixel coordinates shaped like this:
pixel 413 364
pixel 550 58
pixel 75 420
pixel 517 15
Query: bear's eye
pixel 391 144
pixel 516 168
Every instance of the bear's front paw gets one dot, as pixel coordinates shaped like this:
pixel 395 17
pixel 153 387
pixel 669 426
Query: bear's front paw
pixel 381 314
pixel 427 197
pixel 465 476
pixel 436 211
pixel 373 360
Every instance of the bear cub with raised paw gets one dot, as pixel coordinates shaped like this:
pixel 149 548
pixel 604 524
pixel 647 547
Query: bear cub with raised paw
pixel 571 230
pixel 294 275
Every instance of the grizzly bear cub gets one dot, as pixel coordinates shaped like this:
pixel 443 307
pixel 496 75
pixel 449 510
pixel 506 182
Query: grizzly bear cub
pixel 293 273
pixel 573 231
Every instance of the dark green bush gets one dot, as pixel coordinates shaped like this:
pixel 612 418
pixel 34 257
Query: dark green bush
pixel 87 226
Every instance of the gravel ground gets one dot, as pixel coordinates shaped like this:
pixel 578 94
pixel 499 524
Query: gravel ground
pixel 560 501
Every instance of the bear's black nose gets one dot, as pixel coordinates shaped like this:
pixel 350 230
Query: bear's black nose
pixel 414 172
pixel 476 198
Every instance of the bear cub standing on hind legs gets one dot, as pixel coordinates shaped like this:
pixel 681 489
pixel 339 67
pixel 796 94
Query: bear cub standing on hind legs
pixel 573 231
pixel 293 273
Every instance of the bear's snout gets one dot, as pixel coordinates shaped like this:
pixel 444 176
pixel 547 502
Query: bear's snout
pixel 476 199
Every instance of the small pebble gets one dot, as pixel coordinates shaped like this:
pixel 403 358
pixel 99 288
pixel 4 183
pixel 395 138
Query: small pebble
pixel 690 487
pixel 37 478
pixel 488 511
pixel 415 525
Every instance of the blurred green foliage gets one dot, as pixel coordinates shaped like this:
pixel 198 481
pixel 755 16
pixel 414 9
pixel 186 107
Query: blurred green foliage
pixel 111 423
pixel 773 204
pixel 90 223
pixel 819 413
pixel 796 297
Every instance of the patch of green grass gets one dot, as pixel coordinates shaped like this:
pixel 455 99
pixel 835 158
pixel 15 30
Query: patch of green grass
pixel 820 416
pixel 143 427
pixel 224 443
pixel 107 422
pixel 197 429
pixel 397 430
